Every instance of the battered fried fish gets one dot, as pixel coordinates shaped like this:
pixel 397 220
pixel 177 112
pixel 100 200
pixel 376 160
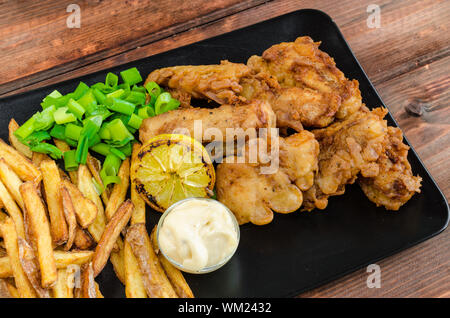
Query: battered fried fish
pixel 321 93
pixel 395 184
pixel 364 147
pixel 253 196
pixel 257 114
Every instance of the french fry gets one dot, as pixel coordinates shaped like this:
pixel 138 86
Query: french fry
pixel 12 181
pixel 155 281
pixel 138 215
pixel 12 209
pixel 83 241
pixel 119 191
pixel 63 146
pixel 97 290
pixel 134 286
pixel 31 268
pixel 86 187
pixel 69 214
pixel 117 260
pixel 88 289
pixel 173 274
pixel 63 259
pixel 63 287
pixel 38 157
pixel 95 166
pixel 4 290
pixel 110 236
pixel 52 186
pixel 13 290
pixel 85 209
pixel 40 230
pixel 24 287
pixel 22 166
pixel 14 141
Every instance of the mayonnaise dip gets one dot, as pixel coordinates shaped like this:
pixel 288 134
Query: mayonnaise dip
pixel 198 233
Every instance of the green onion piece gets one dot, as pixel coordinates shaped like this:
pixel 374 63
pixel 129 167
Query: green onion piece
pixel 118 130
pixel 110 169
pixel 118 153
pixel 44 120
pixel 104 132
pixel 98 188
pixel 70 163
pixel 121 106
pixel 50 99
pixel 135 121
pixel 110 179
pixel 161 101
pixel 70 142
pixel 143 112
pixel 81 89
pixel 73 131
pixel 111 80
pixel 58 132
pixel 48 149
pixel 153 89
pixel 94 140
pixel 101 148
pixel 140 89
pixel 100 86
pixel 131 76
pixel 127 149
pixel 88 101
pixel 26 129
pixel 116 94
pixel 36 138
pixel 102 111
pixel 75 108
pixel 137 98
pixel 61 116
pixel 82 149
pixel 99 96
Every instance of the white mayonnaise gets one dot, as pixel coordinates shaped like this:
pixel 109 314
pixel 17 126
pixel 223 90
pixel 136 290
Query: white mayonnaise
pixel 198 233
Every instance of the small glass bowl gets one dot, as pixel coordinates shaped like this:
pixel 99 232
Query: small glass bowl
pixel 205 269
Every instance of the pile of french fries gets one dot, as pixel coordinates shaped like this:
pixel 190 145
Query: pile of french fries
pixel 57 232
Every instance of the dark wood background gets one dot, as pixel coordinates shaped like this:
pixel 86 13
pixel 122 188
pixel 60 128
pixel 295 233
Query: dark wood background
pixel 407 59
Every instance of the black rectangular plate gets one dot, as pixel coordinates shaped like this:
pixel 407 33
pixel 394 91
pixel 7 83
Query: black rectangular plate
pixel 298 251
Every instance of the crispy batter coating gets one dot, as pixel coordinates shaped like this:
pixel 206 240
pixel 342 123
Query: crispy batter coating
pixel 323 92
pixel 253 196
pixel 395 184
pixel 257 114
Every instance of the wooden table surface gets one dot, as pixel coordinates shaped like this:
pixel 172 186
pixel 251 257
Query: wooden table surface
pixel 407 59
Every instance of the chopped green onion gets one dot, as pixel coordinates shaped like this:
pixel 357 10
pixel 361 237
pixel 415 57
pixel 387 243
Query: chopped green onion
pixel 98 188
pixel 140 89
pixel 118 153
pixel 99 95
pixel 50 99
pixel 137 98
pixel 48 149
pixel 161 101
pixel 135 121
pixel 81 89
pixel 111 80
pixel 44 120
pixel 26 129
pixel 70 142
pixel 75 108
pixel 120 106
pixel 101 148
pixel 58 132
pixel 61 116
pixel 110 169
pixel 127 149
pixel 36 138
pixel 118 130
pixel 82 149
pixel 88 101
pixel 131 76
pixel 116 94
pixel 73 131
pixel 70 163
pixel 153 89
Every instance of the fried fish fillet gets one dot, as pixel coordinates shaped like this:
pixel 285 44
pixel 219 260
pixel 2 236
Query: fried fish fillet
pixel 257 114
pixel 253 196
pixel 321 93
pixel 395 184
pixel 364 147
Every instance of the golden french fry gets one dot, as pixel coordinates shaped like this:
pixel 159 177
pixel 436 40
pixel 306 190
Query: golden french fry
pixel 85 209
pixel 83 241
pixel 134 285
pixel 69 214
pixel 31 268
pixel 119 191
pixel 13 290
pixel 97 290
pixel 63 146
pixel 14 141
pixel 22 166
pixel 63 287
pixel 40 230
pixel 88 289
pixel 95 166
pixel 63 259
pixel 12 181
pixel 110 236
pixel 173 274
pixel 38 157
pixel 52 186
pixel 155 281
pixel 12 209
pixel 117 260
pixel 4 290
pixel 24 287
pixel 138 215
pixel 86 187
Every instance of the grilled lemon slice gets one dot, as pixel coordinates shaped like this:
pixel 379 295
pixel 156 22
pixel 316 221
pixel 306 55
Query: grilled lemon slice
pixel 170 168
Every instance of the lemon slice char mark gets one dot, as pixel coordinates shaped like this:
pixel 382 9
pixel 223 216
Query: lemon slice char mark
pixel 172 167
